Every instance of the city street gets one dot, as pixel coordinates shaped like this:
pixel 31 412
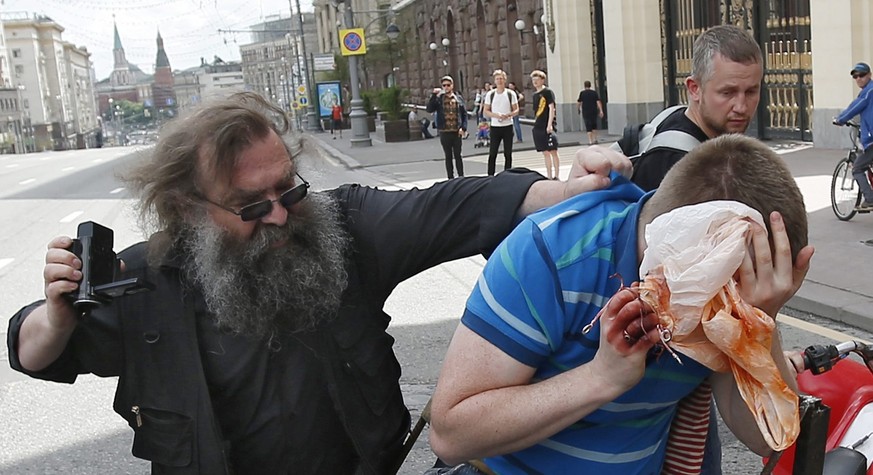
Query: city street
pixel 55 428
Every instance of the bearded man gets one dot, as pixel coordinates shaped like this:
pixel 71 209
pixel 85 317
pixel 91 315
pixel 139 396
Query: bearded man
pixel 262 348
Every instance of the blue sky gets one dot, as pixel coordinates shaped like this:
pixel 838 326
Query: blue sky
pixel 189 27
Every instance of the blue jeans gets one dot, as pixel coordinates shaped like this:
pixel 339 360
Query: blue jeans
pixel 712 450
pixel 859 172
pixel 517 125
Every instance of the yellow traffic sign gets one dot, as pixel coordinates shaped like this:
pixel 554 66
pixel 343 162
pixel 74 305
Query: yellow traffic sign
pixel 301 89
pixel 352 42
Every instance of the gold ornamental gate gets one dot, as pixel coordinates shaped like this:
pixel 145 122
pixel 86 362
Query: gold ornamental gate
pixel 782 28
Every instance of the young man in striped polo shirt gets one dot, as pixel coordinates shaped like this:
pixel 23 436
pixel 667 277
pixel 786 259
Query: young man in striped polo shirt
pixel 523 389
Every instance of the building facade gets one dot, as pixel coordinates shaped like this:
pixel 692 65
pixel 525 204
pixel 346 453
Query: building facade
pixel 206 82
pixel 50 77
pixel 275 65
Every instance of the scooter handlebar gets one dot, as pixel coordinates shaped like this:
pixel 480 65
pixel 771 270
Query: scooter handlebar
pixel 821 358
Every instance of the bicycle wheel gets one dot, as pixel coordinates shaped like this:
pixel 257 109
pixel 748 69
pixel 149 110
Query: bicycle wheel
pixel 845 194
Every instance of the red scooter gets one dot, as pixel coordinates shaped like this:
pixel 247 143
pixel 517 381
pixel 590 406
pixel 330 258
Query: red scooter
pixel 836 434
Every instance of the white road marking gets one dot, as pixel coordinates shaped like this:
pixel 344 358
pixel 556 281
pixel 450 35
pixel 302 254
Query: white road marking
pixel 817 329
pixel 97 160
pixel 66 169
pixel 5 262
pixel 117 190
pixel 70 217
pixel 28 181
pixel 13 165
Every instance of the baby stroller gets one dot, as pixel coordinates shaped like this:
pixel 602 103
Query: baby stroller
pixel 483 138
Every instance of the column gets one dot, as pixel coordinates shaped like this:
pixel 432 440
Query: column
pixel 571 60
pixel 634 64
pixel 842 32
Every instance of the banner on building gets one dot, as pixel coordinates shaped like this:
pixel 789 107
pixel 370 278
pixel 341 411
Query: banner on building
pixel 328 94
pixel 352 42
pixel 323 62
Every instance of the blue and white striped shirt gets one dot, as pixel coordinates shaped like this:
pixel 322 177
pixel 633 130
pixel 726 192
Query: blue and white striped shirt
pixel 545 282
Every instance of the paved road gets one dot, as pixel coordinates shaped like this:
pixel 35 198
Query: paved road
pixel 52 428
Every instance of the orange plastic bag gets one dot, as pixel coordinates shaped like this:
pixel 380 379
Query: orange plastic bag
pixel 689 282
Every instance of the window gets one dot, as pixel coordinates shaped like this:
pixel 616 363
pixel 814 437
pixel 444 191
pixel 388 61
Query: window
pixel 19 69
pixel 16 53
pixel 26 103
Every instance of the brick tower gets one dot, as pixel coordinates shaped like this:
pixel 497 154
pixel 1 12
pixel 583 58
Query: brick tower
pixel 162 88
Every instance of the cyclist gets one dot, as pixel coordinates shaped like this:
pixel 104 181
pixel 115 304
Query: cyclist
pixel 863 106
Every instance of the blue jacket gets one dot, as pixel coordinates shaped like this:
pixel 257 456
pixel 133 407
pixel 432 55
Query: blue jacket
pixel 435 104
pixel 861 105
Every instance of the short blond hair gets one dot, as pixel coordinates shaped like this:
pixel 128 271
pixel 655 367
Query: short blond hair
pixel 536 73
pixel 499 73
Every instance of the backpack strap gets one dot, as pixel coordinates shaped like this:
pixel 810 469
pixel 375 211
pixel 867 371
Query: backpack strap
pixel 674 139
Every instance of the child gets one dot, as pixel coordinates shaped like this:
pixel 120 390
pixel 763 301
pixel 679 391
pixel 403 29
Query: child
pixel 482 138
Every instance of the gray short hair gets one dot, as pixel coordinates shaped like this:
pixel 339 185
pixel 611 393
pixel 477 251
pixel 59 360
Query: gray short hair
pixel 732 42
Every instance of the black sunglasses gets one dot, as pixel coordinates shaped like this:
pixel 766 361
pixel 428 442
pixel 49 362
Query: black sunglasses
pixel 856 76
pixel 260 209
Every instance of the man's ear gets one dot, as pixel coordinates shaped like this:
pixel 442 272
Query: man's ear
pixel 694 88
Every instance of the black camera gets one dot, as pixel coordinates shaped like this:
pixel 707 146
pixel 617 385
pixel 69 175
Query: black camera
pixel 100 266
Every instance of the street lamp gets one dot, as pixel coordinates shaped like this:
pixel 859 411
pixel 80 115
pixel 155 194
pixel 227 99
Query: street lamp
pixel 520 26
pixel 310 109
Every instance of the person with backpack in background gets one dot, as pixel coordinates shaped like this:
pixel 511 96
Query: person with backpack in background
pixel 501 107
pixel 724 89
pixel 543 131
pixel 516 123
pixel 591 107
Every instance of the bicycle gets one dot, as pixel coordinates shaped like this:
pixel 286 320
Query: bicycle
pixel 845 193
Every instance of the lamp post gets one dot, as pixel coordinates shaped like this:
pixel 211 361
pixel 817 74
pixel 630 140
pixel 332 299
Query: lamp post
pixel 392 31
pixel 446 43
pixel 357 115
pixel 312 117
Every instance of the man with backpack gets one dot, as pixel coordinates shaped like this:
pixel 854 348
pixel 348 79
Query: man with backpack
pixel 500 106
pixel 724 89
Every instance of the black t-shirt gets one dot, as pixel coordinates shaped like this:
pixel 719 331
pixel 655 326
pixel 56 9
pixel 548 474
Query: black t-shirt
pixel 651 167
pixel 541 101
pixel 588 98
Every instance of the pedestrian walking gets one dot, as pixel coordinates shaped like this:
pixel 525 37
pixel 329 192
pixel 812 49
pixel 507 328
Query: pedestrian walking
pixel 451 122
pixel 543 131
pixel 590 106
pixel 516 121
pixel 500 106
pixel 336 120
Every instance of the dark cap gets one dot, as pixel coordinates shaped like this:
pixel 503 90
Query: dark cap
pixel 861 68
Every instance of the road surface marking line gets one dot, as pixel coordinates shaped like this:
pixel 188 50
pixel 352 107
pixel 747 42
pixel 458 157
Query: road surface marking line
pixel 13 165
pixel 5 262
pixel 97 160
pixel 70 217
pixel 28 181
pixel 117 190
pixel 68 169
pixel 817 329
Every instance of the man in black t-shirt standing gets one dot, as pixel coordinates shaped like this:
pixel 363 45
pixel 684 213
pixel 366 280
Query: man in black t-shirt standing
pixel 544 124
pixel 590 106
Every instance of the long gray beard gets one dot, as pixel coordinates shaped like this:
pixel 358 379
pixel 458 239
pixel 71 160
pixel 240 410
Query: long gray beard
pixel 256 291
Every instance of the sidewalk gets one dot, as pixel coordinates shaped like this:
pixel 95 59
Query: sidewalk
pixel 839 285
pixel 382 153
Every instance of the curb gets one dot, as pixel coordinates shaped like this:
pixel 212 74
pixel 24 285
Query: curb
pixel 834 304
pixel 346 160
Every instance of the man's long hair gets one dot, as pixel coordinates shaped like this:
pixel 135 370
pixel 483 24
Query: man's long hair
pixel 205 145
